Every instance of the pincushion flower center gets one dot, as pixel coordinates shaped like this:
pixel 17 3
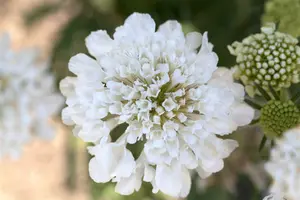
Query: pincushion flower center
pixel 160 99
pixel 277 116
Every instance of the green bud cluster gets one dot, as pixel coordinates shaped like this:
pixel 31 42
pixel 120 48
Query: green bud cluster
pixel 277 117
pixel 267 58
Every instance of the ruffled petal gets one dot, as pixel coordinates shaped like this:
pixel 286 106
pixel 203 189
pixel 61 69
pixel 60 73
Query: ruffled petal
pixel 226 147
pixel 127 186
pixel 86 67
pixel 137 27
pixel 242 114
pixel 206 61
pixel 149 173
pixel 126 165
pixel 193 40
pixel 99 43
pixel 168 180
pixel 213 165
pixel 186 183
pixel 172 30
pixel 202 173
pixel 98 172
pixel 107 160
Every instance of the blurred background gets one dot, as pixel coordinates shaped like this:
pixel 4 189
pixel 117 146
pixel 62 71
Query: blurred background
pixel 57 170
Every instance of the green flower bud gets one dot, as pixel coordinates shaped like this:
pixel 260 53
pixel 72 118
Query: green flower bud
pixel 277 117
pixel 267 58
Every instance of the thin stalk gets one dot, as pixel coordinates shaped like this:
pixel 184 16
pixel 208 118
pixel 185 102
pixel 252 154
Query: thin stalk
pixel 262 143
pixel 274 93
pixel 284 94
pixel 263 92
pixel 253 104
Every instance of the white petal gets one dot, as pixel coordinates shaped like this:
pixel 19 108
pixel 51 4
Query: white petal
pixel 222 72
pixel 206 48
pixel 93 131
pixel 242 114
pixel 66 86
pixel 76 130
pixel 220 126
pixel 109 65
pixel 169 104
pixel 213 165
pixel 206 61
pixel 186 183
pixel 149 173
pixel 127 186
pixel 126 165
pixel 168 180
pixel 136 26
pixel 132 138
pixel 173 147
pixel 193 40
pixel 115 108
pixel 99 43
pixel 141 21
pixel 171 30
pixel 188 158
pixel 84 66
pixel 66 116
pixel 96 113
pixel 108 157
pixel 97 172
pixel 227 147
pixel 202 173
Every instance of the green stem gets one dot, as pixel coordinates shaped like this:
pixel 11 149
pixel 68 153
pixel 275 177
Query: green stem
pixel 262 143
pixel 284 94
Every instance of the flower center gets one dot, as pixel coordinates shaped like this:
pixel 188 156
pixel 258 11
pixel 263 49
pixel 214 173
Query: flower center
pixel 159 105
pixel 156 97
pixel 277 117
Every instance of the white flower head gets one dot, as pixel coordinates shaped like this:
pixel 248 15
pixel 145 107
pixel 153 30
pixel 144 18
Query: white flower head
pixel 170 94
pixel 27 99
pixel 284 165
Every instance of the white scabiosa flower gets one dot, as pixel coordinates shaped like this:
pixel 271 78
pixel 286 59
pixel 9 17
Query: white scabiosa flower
pixel 27 99
pixel 170 94
pixel 284 165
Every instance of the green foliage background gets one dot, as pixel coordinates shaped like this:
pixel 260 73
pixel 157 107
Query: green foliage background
pixel 225 21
